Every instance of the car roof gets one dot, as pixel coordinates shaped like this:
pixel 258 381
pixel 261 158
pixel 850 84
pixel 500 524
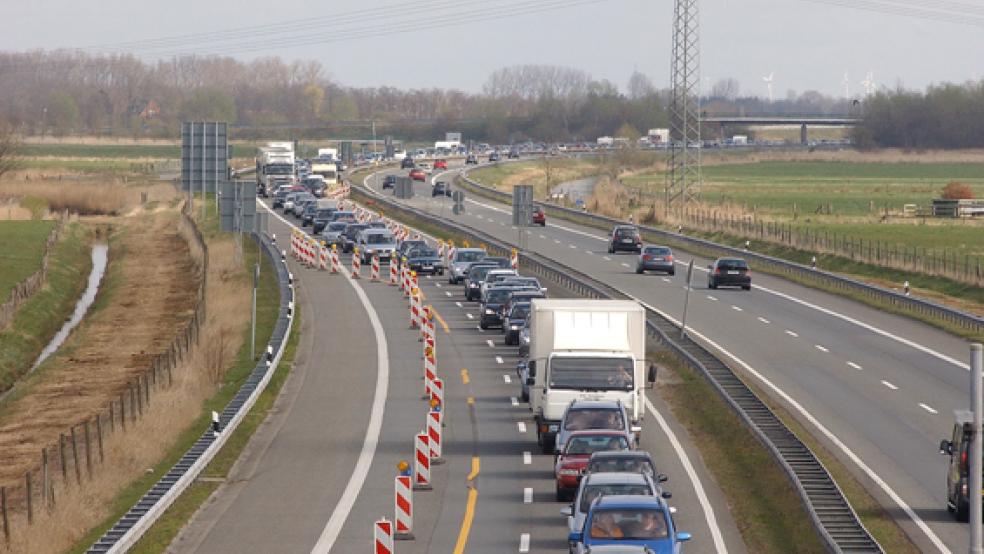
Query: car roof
pixel 630 477
pixel 376 231
pixel 593 404
pixel 630 501
pixel 470 250
pixel 622 454
pixel 593 432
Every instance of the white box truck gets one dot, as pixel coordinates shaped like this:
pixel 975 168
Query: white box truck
pixel 584 349
pixel 328 154
pixel 274 167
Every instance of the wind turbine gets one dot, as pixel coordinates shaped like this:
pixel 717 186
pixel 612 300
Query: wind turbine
pixel 869 83
pixel 768 84
pixel 847 87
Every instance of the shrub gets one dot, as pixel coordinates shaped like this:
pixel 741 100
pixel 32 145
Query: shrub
pixel 955 190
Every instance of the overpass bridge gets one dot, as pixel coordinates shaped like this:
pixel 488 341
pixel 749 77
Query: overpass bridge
pixel 783 120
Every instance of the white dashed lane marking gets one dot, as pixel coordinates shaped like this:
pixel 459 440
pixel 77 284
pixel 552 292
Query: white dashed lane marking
pixel 490 343
pixel 527 458
pixel 507 379
pixel 498 359
pixel 711 298
pixel 524 542
pixel 791 333
pixel 469 316
pixel 821 348
pixel 528 495
pixel 928 408
pixel 854 365
pixel 458 304
pixel 889 385
pixel 763 320
pixel 606 258
pixel 521 426
pixel 573 246
pixel 736 308
pixel 514 401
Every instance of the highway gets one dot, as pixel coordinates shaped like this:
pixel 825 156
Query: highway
pixel 320 470
pixel 877 389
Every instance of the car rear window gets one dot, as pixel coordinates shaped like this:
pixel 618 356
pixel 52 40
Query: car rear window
pixel 593 418
pixel 469 256
pixel 596 443
pixel 621 465
pixel 658 251
pixel 732 264
pixel 626 233
pixel 591 492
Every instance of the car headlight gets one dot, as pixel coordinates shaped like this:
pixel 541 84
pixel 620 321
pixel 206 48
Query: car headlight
pixel 514 327
pixel 369 251
pixel 489 312
pixel 473 285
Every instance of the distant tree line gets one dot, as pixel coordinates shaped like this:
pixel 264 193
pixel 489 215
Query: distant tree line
pixel 945 116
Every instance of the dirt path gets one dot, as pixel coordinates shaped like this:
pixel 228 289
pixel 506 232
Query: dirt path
pixel 153 296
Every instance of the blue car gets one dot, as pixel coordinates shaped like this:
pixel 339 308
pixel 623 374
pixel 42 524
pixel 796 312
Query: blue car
pixel 629 521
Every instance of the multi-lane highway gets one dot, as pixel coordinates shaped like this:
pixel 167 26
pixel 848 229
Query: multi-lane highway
pixel 878 389
pixel 320 470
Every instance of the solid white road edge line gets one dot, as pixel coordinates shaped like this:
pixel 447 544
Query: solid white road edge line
pixel 371 440
pixel 918 521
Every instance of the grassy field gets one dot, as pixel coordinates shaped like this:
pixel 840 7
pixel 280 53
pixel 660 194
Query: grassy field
pixel 21 249
pixel 120 151
pixel 42 315
pixel 533 172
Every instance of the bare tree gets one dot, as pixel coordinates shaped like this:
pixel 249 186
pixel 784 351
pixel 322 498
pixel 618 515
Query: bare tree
pixel 9 145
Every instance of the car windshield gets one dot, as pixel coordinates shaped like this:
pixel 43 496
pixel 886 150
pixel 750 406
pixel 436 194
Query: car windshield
pixel 520 311
pixel 632 464
pixel 379 238
pixel 594 491
pixel 278 170
pixel 469 256
pixel 732 264
pixel 629 524
pixel 525 281
pixel 325 212
pixel 497 296
pixel 658 251
pixel 478 273
pixel 337 226
pixel 593 418
pixel 596 443
pixel 591 373
pixel 423 253
pixel 352 229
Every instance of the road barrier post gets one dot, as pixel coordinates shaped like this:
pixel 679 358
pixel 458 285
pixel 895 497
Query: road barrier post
pixel 434 432
pixel 421 473
pixel 335 266
pixel 382 537
pixel 394 278
pixel 414 308
pixel 323 258
pixel 514 259
pixel 437 391
pixel 356 262
pixel 404 506
pixel 430 372
pixel 374 269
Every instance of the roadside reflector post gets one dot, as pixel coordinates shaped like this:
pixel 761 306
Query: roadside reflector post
pixel 421 473
pixel 905 288
pixel 216 428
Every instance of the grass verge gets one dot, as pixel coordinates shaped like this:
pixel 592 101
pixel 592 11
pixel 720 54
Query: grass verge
pixel 267 307
pixel 43 314
pixel 21 250
pixel 766 508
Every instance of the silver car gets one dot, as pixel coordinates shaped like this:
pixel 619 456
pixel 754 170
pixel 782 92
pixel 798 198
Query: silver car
pixel 595 485
pixel 656 258
pixel 463 257
pixel 333 233
pixel 375 241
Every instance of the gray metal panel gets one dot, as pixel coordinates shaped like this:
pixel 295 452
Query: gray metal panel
pixel 403 187
pixel 522 205
pixel 237 206
pixel 205 154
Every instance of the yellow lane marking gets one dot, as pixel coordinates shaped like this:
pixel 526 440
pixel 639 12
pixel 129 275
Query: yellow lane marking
pixel 444 324
pixel 466 523
pixel 464 376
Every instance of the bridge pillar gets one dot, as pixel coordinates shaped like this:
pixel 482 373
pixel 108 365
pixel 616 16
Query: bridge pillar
pixel 803 133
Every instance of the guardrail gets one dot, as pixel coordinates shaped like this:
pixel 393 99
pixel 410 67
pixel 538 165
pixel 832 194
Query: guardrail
pixel 142 515
pixel 825 279
pixel 830 513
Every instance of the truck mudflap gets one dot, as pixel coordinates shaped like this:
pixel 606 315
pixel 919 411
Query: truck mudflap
pixel 546 434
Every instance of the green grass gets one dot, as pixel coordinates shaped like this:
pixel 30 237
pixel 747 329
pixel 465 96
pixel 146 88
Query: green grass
pixel 108 165
pixel 119 151
pixel 267 307
pixel 21 250
pixel 43 314
pixel 764 504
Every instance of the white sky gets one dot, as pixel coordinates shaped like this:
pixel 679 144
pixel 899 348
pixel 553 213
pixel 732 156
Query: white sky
pixel 807 45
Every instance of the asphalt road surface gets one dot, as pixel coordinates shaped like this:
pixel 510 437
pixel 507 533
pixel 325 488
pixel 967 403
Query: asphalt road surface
pixel 878 389
pixel 304 483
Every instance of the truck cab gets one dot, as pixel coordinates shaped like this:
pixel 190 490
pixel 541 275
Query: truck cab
pixel 957 447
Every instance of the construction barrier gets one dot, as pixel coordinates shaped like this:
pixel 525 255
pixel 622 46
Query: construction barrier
pixel 356 263
pixel 382 537
pixel 406 279
pixel 437 392
pixel 323 258
pixel 414 308
pixel 422 465
pixel 404 507
pixel 451 252
pixel 335 266
pixel 440 249
pixel 430 372
pixel 394 278
pixel 374 268
pixel 434 434
pixel 514 259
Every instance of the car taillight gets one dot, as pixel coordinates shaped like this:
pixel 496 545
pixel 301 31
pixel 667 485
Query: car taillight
pixel 963 460
pixel 669 258
pixel 646 257
pixel 717 270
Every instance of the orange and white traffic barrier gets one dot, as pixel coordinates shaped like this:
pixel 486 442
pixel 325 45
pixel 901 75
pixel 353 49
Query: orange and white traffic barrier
pixel 414 308
pixel 514 259
pixel 422 463
pixel 407 284
pixel 404 507
pixel 374 268
pixel 440 249
pixel 437 391
pixel 335 266
pixel 356 263
pixel 323 258
pixel 451 252
pixel 430 372
pixel 434 433
pixel 382 537
pixel 394 278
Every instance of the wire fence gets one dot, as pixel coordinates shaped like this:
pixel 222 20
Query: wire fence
pixel 79 451
pixel 32 283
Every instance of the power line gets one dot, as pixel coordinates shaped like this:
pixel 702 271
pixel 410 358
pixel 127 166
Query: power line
pixel 948 12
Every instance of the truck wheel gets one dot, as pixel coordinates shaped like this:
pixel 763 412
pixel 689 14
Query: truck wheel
pixel 561 494
pixel 547 446
pixel 963 511
pixel 525 394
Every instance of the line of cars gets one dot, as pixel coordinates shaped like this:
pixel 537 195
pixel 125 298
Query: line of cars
pixel 583 373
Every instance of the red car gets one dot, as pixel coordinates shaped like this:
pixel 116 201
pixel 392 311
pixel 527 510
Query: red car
pixel 440 164
pixel 573 457
pixel 539 216
pixel 418 175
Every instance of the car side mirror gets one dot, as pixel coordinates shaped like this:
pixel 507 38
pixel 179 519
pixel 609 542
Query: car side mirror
pixel 682 536
pixel 576 536
pixel 662 478
pixel 567 511
pixel 946 447
pixel 667 495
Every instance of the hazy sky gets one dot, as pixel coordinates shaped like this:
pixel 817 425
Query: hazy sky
pixel 807 45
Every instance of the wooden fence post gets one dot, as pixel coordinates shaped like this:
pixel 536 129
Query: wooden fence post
pixel 30 499
pixel 123 411
pixel 61 448
pixel 75 457
pixel 99 437
pixel 45 483
pixel 88 450
pixel 3 512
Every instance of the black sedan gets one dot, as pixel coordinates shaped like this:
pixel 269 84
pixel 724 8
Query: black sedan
pixel 514 321
pixel 389 182
pixel 729 272
pixel 440 189
pixel 425 260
